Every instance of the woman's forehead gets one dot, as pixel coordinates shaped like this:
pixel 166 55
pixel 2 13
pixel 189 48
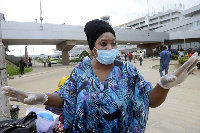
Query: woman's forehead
pixel 106 36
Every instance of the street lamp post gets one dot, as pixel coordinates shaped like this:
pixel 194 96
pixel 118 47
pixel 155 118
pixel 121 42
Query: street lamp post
pixel 184 30
pixel 148 16
pixel 41 18
pixel 4 103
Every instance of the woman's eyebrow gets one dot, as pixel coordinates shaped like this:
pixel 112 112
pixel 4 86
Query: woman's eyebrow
pixel 103 40
pixel 107 39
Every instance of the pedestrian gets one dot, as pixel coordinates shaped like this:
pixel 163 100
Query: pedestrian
pixel 125 57
pixel 21 66
pixel 118 57
pixel 29 59
pixel 181 54
pixel 103 94
pixel 190 53
pixel 165 57
pixel 29 64
pixel 141 58
pixel 134 56
pixel 130 56
pixel 44 61
pixel 49 61
pixel 86 58
pixel 82 57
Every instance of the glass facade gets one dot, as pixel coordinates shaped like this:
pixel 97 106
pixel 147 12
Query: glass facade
pixel 193 45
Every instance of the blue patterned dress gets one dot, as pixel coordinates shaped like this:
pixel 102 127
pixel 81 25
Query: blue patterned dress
pixel 119 105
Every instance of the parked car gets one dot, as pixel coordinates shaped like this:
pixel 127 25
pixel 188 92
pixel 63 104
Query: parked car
pixel 53 61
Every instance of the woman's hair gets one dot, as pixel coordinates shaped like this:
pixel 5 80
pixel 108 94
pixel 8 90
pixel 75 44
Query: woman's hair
pixel 95 28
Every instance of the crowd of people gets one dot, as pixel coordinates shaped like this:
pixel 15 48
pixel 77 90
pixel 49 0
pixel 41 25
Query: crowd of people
pixel 47 61
pixel 184 53
pixel 132 56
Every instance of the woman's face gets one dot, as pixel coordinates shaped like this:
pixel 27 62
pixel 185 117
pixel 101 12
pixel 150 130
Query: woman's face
pixel 105 42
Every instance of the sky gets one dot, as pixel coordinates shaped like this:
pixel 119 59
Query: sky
pixel 78 12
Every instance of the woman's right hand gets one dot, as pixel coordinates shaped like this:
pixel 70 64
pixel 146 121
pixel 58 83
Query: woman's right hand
pixel 24 97
pixel 172 79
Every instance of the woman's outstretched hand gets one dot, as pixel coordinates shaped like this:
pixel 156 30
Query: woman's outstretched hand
pixel 172 79
pixel 24 97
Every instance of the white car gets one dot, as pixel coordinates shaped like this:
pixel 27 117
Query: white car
pixel 53 61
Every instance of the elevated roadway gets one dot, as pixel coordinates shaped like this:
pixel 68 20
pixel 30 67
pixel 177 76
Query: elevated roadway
pixel 65 37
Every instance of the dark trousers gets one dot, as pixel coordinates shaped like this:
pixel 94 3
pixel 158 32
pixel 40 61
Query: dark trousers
pixel 49 64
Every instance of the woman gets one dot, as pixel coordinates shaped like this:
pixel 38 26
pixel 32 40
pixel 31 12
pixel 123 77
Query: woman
pixel 103 94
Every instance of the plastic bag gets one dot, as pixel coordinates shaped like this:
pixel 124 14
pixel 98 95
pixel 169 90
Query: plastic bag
pixel 42 123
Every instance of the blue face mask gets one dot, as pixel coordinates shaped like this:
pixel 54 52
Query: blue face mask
pixel 107 57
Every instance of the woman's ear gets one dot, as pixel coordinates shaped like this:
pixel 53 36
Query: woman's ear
pixel 94 52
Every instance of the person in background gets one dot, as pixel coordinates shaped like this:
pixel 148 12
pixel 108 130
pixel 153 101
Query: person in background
pixel 82 57
pixel 44 61
pixel 190 53
pixel 86 58
pixel 118 57
pixel 49 61
pixel 29 59
pixel 130 56
pixel 141 57
pixel 165 57
pixel 181 54
pixel 29 64
pixel 104 94
pixel 125 56
pixel 134 56
pixel 21 66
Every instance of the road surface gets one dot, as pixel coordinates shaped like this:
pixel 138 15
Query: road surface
pixel 180 113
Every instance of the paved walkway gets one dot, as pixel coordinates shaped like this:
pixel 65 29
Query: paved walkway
pixel 180 113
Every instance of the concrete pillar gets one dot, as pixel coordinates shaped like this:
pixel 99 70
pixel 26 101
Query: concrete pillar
pixel 65 47
pixel 149 47
pixel 149 51
pixel 65 57
pixel 4 103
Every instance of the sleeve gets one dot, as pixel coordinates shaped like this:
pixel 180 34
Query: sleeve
pixel 69 99
pixel 137 81
pixel 140 91
pixel 160 55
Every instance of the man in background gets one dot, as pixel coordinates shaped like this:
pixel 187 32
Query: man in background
pixel 141 57
pixel 21 66
pixel 49 61
pixel 86 58
pixel 165 57
pixel 130 56
pixel 134 56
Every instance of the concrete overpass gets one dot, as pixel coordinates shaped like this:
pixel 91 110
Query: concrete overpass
pixel 65 37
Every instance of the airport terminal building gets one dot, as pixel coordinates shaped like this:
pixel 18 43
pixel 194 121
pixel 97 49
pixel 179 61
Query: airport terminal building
pixel 183 27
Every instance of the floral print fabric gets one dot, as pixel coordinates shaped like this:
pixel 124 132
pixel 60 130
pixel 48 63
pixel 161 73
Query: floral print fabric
pixel 119 104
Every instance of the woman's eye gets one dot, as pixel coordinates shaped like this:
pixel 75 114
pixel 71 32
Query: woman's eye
pixel 114 44
pixel 103 44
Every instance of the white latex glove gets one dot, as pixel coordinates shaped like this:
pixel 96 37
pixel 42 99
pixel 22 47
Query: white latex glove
pixel 172 79
pixel 24 97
